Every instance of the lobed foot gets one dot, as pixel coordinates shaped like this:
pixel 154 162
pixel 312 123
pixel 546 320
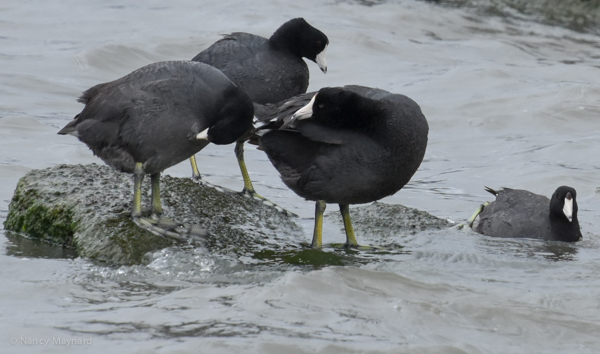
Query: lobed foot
pixel 168 228
pixel 252 194
pixel 471 220
pixel 205 183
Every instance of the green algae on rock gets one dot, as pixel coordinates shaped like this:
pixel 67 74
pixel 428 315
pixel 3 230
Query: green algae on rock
pixel 85 207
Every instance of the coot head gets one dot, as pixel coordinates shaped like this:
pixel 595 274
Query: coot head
pixel 303 40
pixel 339 108
pixel 563 205
pixel 229 127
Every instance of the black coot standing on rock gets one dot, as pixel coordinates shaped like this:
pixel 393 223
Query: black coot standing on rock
pixel 158 116
pixel 269 70
pixel 520 213
pixel 348 145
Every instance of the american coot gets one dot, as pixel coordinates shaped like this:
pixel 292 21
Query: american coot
pixel 158 116
pixel 269 70
pixel 520 213
pixel 348 145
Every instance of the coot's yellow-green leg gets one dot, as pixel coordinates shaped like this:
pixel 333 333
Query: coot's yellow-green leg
pixel 477 212
pixel 163 222
pixel 350 236
pixel 195 170
pixel 157 224
pixel 156 206
pixel 138 176
pixel 317 241
pixel 248 187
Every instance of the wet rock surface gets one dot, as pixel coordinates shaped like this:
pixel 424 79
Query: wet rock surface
pixel 387 223
pixel 86 207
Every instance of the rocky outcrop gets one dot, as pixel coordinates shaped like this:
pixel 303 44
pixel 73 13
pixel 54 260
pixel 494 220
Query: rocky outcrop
pixel 87 207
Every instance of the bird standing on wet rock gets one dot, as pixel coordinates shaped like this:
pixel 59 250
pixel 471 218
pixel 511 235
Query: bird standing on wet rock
pixel 158 116
pixel 348 145
pixel 268 70
pixel 521 214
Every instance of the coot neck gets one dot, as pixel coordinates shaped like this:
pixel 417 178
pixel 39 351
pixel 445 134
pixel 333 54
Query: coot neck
pixel 286 40
pixel 563 230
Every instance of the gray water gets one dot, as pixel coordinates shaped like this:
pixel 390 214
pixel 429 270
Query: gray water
pixel 511 96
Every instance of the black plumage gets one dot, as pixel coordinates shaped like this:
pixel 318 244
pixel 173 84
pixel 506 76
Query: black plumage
pixel 348 145
pixel 158 116
pixel 519 213
pixel 268 70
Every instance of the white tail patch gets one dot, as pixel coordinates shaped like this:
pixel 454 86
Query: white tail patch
pixel 306 111
pixel 203 135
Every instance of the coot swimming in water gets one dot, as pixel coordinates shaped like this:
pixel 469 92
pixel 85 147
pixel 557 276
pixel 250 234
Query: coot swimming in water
pixel 158 116
pixel 520 213
pixel 269 70
pixel 348 145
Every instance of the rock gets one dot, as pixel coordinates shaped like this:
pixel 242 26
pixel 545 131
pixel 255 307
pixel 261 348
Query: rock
pixel 385 223
pixel 86 207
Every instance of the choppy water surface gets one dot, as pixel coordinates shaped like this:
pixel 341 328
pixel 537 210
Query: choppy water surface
pixel 511 95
